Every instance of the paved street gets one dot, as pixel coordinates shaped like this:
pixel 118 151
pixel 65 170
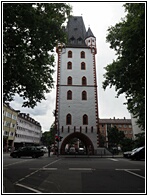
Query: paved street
pixel 73 175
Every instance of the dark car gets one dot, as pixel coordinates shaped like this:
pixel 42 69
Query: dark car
pixel 26 151
pixel 138 154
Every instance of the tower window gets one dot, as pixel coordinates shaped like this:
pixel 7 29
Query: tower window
pixel 69 54
pixel 69 65
pixel 85 119
pixel 83 66
pixel 84 81
pixel 82 54
pixel 68 119
pixel 79 40
pixel 69 95
pixel 69 80
pixel 84 95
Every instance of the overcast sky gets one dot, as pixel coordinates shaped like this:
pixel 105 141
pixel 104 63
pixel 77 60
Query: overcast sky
pixel 98 16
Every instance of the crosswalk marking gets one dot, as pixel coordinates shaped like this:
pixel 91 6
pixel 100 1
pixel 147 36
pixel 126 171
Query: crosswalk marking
pixel 81 169
pixel 114 159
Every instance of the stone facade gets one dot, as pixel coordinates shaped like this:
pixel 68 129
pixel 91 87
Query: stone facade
pixel 76 98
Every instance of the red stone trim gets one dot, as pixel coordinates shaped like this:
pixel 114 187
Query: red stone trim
pixel 57 87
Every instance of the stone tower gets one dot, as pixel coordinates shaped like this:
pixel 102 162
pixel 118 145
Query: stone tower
pixel 76 96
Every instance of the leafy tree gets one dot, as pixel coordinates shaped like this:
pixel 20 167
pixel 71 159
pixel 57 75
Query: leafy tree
pixel 115 136
pixel 140 140
pixel 30 33
pixel 48 137
pixel 127 72
pixel 127 144
pixel 101 140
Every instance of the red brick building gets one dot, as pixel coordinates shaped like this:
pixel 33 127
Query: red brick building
pixel 124 125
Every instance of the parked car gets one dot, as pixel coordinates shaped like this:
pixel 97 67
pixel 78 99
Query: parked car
pixel 138 154
pixel 128 153
pixel 81 151
pixel 72 150
pixel 43 148
pixel 30 151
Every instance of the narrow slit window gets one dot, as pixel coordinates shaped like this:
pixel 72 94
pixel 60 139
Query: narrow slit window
pixel 84 95
pixel 68 119
pixel 69 80
pixel 85 119
pixel 69 54
pixel 69 65
pixel 83 67
pixel 69 95
pixel 84 81
pixel 82 54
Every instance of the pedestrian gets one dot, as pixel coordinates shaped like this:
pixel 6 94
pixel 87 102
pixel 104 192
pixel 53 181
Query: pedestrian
pixel 48 151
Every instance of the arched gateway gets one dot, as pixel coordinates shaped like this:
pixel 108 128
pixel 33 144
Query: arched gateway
pixel 87 142
pixel 76 96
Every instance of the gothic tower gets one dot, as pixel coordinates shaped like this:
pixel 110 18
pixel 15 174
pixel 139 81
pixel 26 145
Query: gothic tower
pixel 76 96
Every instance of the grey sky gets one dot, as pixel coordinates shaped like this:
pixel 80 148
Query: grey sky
pixel 98 16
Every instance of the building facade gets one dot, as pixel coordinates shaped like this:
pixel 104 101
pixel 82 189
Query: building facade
pixel 19 129
pixel 9 126
pixel 28 131
pixel 76 97
pixel 124 125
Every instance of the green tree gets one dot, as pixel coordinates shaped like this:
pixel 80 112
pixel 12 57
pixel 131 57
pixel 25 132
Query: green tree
pixel 127 144
pixel 140 140
pixel 127 72
pixel 115 137
pixel 48 137
pixel 101 140
pixel 30 33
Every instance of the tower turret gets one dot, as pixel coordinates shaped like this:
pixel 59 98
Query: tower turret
pixel 90 40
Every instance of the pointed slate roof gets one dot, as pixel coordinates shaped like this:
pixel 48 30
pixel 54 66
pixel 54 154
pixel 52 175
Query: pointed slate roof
pixel 89 33
pixel 76 31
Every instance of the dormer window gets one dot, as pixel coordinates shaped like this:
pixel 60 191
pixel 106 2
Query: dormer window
pixel 72 40
pixel 79 40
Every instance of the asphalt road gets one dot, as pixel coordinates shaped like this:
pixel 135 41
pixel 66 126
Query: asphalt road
pixel 73 175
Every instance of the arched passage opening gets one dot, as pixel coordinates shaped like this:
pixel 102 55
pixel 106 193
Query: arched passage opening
pixel 85 139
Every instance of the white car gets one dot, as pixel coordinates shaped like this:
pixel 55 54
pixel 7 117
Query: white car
pixel 128 153
pixel 72 150
pixel 43 148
